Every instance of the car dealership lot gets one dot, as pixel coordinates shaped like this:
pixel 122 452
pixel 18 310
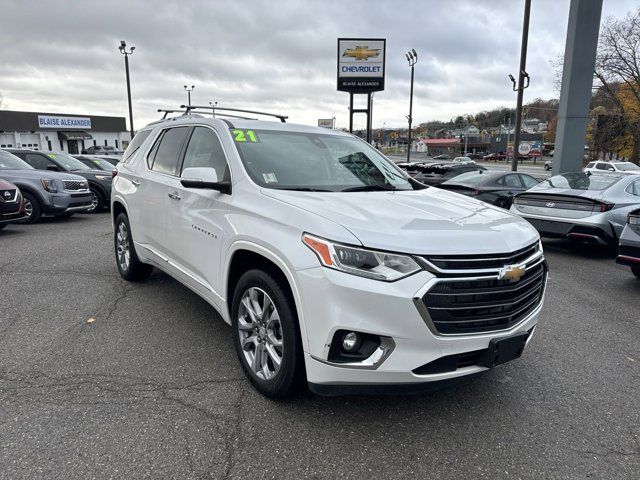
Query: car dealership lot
pixel 100 378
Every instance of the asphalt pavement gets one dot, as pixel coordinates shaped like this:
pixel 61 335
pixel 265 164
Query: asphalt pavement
pixel 100 378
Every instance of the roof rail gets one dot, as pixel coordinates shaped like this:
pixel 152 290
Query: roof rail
pixel 167 112
pixel 188 108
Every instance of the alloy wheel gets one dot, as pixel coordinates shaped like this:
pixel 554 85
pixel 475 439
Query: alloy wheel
pixel 94 202
pixel 28 207
pixel 123 247
pixel 260 333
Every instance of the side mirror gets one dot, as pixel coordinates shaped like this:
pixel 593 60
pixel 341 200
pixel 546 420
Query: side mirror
pixel 53 168
pixel 204 177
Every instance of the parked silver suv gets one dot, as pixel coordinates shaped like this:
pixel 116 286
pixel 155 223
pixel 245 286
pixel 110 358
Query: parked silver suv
pixel 330 263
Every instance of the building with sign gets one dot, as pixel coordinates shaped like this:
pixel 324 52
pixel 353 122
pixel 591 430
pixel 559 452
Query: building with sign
pixel 62 132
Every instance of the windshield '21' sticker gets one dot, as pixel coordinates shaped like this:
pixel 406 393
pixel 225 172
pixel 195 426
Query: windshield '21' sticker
pixel 243 136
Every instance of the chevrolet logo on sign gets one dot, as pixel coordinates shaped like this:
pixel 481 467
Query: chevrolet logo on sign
pixel 511 273
pixel 361 53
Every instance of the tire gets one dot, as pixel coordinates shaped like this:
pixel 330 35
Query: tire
pixel 547 168
pixel 33 208
pixel 97 200
pixel 636 271
pixel 129 265
pixel 503 203
pixel 265 334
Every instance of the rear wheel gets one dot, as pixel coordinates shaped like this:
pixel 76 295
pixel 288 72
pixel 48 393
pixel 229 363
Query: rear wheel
pixel 129 265
pixel 32 208
pixel 636 271
pixel 266 335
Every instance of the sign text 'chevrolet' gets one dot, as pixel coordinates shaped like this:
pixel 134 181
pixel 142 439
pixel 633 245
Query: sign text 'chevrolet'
pixel 361 64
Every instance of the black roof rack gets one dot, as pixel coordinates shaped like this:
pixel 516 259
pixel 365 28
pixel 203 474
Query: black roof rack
pixel 189 108
pixel 167 112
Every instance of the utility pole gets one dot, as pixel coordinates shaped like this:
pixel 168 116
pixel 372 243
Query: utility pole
pixel 508 138
pixel 522 74
pixel 412 58
pixel 189 90
pixel 466 136
pixel 123 50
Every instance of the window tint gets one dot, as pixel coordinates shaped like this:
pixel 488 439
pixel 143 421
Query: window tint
pixel 204 150
pixel 528 181
pixel 600 166
pixel 512 181
pixel 590 165
pixel 167 153
pixel 38 162
pixel 135 144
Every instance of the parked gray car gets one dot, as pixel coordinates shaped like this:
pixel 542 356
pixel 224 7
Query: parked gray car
pixel 587 207
pixel 629 248
pixel 45 193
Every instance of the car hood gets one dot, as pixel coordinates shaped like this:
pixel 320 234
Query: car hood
pixel 418 221
pixel 38 174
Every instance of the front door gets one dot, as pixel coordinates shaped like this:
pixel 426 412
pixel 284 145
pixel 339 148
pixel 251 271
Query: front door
pixel 72 146
pixel 196 220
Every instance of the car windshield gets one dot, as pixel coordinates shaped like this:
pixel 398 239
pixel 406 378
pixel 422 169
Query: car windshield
pixel 315 162
pixel 8 161
pixel 626 166
pixel 580 181
pixel 99 163
pixel 68 162
pixel 472 178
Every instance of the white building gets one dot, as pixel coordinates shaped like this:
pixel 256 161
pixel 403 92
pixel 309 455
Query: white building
pixel 60 131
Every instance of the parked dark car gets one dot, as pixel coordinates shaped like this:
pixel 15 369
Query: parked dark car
pixel 629 248
pixel 102 150
pixel 438 172
pixel 495 156
pixel 45 193
pixel 99 180
pixel 112 159
pixel 11 204
pixel 497 188
pixel 95 162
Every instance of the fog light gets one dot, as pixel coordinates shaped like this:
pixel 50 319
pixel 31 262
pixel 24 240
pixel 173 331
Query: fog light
pixel 350 342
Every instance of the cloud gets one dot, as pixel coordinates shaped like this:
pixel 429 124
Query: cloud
pixel 273 55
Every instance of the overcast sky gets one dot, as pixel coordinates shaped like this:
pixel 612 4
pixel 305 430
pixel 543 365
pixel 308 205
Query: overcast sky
pixel 274 55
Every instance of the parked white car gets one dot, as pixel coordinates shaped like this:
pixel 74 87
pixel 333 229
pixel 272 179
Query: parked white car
pixel 614 167
pixel 463 160
pixel 333 267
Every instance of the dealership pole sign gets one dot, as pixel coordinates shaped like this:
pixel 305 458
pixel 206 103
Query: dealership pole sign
pixel 361 64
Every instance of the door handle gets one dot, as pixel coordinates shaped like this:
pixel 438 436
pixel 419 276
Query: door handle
pixel 174 195
pixel 135 183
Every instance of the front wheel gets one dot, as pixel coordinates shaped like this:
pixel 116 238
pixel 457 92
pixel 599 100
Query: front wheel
pixel 636 271
pixel 97 201
pixel 266 335
pixel 32 208
pixel 129 265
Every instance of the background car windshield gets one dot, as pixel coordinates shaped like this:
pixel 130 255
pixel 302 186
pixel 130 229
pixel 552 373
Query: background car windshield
pixel 68 162
pixel 290 160
pixel 580 181
pixel 472 178
pixel 101 164
pixel 8 161
pixel 626 166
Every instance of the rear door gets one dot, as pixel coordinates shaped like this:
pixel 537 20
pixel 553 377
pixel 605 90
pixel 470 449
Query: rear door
pixel 196 220
pixel 149 209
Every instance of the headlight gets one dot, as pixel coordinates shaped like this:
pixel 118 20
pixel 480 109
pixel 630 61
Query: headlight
pixel 359 261
pixel 103 177
pixel 48 185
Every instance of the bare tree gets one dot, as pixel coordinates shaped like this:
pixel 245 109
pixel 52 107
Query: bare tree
pixel 617 72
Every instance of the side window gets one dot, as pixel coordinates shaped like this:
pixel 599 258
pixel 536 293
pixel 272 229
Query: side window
pixel 591 164
pixel 38 162
pixel 204 150
pixel 135 144
pixel 634 188
pixel 512 181
pixel 167 153
pixel 528 181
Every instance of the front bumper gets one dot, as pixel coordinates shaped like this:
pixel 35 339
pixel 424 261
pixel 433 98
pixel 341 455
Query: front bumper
pixel 66 202
pixel 333 301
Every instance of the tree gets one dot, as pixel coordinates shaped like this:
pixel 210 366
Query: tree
pixel 617 73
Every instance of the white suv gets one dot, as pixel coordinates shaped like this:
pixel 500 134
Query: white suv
pixel 332 266
pixel 613 167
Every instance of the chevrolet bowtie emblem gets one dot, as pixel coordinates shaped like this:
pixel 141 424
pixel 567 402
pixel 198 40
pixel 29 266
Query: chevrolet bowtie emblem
pixel 511 273
pixel 361 53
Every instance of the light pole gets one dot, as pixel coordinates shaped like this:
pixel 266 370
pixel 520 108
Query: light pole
pixel 412 58
pixel 522 74
pixel 466 136
pixel 123 50
pixel 189 90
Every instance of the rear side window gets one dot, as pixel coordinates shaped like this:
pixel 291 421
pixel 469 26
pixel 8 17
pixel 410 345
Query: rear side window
pixel 165 155
pixel 528 181
pixel 510 180
pixel 134 146
pixel 634 188
pixel 204 150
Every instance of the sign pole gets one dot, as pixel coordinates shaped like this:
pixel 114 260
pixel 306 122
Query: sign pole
pixel 350 112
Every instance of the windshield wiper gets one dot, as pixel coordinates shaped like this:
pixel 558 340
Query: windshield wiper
pixel 304 189
pixel 369 188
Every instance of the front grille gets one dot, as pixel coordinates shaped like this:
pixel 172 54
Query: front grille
pixel 479 262
pixel 74 185
pixel 476 305
pixel 8 195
